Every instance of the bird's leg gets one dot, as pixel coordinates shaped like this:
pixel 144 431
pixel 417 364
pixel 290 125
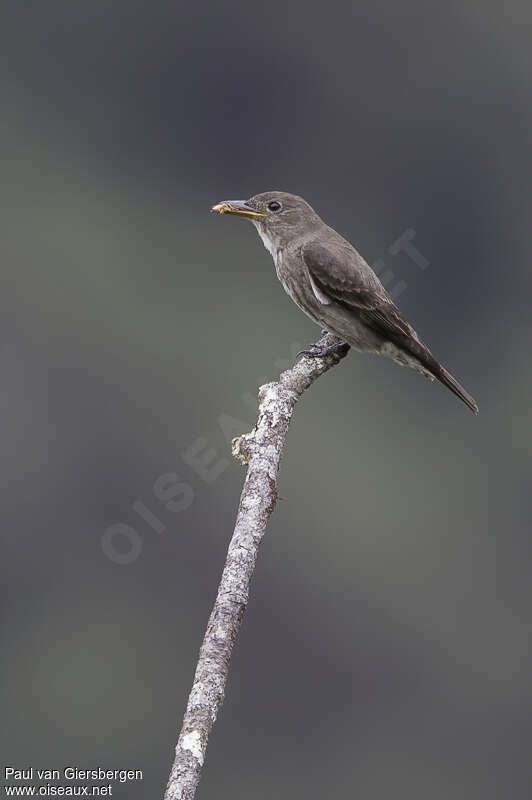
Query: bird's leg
pixel 317 351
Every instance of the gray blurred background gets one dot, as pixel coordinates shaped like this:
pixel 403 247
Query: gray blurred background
pixel 386 646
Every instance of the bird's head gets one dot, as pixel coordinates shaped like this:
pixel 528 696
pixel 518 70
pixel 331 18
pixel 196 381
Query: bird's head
pixel 279 216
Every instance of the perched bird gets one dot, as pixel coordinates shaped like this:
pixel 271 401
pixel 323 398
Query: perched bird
pixel 330 281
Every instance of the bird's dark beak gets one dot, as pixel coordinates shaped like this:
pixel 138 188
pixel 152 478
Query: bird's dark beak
pixel 237 207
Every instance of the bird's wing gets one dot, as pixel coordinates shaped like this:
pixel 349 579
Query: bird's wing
pixel 339 273
pixel 342 273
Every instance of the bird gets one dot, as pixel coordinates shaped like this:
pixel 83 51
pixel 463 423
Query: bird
pixel 331 283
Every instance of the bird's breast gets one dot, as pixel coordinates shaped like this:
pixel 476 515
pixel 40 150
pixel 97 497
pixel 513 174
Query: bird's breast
pixel 295 282
pixel 290 272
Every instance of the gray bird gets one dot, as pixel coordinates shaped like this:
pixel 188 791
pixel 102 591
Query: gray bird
pixel 330 281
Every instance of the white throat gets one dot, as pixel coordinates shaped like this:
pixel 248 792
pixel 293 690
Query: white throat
pixel 268 243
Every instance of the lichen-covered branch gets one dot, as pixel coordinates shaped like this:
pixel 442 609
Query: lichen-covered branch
pixel 261 450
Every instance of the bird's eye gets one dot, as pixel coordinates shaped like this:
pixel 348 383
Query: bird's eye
pixel 274 205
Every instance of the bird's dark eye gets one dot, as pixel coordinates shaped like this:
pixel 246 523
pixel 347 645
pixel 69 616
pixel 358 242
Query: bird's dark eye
pixel 274 205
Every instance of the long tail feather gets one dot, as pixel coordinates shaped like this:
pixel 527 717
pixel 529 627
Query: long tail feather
pixel 451 383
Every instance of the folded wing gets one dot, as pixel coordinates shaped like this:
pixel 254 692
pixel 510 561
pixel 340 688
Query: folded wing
pixel 337 272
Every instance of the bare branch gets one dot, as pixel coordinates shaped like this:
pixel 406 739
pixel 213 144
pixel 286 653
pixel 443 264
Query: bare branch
pixel 261 450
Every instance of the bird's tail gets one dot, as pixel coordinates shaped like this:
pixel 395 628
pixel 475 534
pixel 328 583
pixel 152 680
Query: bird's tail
pixel 451 383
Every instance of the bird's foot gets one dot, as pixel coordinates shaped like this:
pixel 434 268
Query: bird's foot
pixel 317 351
